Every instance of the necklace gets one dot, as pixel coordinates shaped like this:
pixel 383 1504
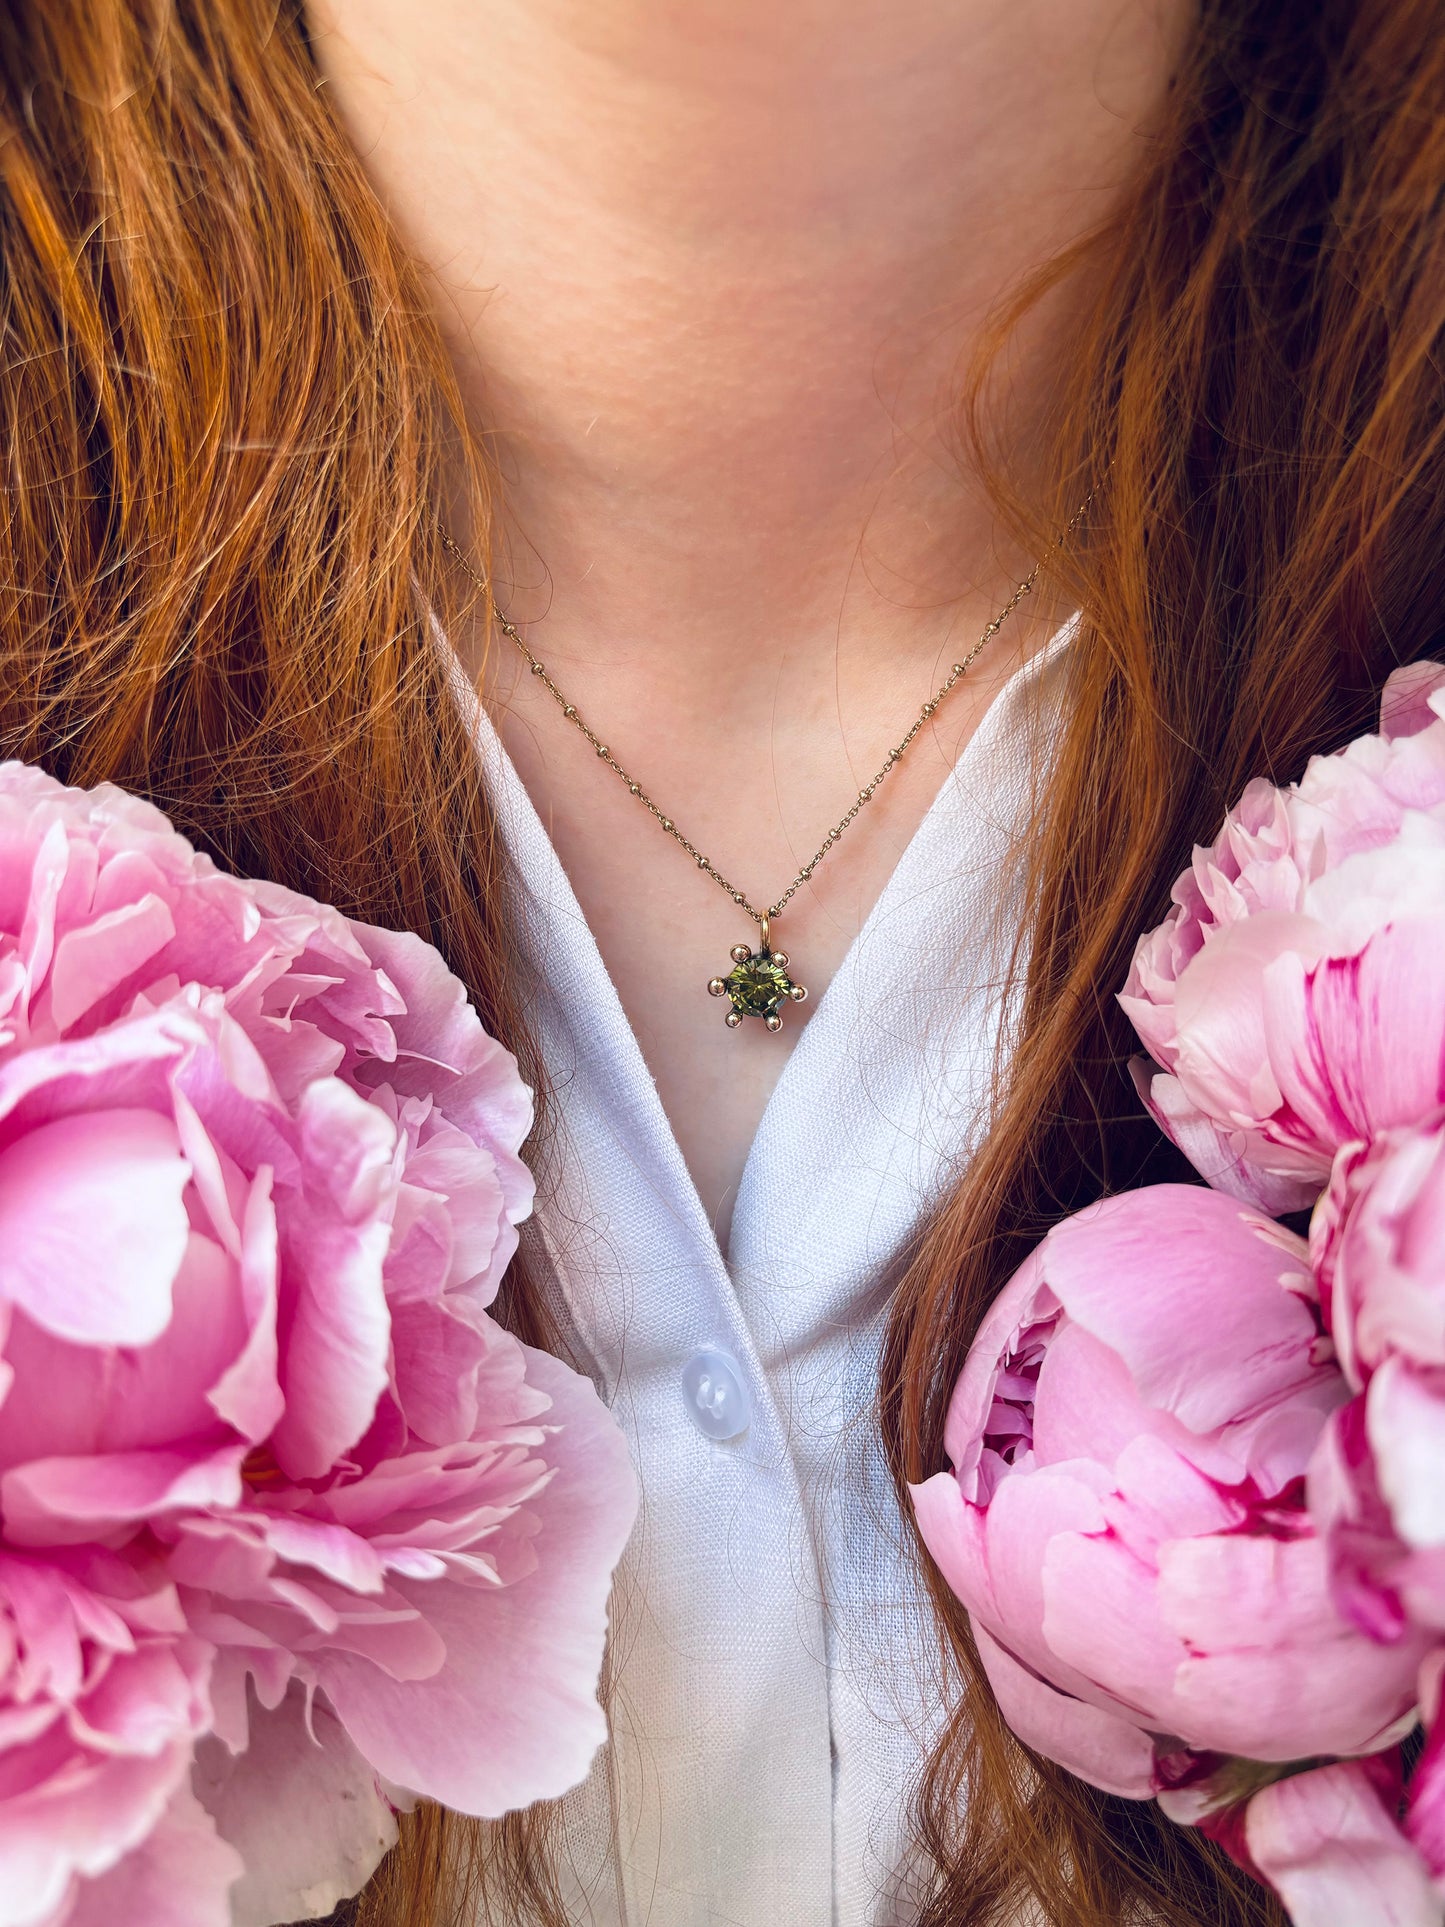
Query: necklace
pixel 758 985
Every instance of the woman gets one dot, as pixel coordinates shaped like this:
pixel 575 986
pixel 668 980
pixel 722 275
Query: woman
pixel 735 367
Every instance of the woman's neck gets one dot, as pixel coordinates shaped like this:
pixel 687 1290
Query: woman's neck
pixel 709 269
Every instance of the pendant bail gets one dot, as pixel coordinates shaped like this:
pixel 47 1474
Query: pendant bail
pixel 764 945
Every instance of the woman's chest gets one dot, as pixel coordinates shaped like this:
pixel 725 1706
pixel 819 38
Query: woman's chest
pixel 773 1693
pixel 666 924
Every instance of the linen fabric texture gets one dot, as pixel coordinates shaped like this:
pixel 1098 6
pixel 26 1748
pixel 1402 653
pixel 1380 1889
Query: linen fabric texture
pixel 775 1685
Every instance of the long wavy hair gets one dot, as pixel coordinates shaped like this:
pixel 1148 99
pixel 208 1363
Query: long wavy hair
pixel 226 412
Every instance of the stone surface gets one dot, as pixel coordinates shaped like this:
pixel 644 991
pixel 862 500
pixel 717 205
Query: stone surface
pixel 758 987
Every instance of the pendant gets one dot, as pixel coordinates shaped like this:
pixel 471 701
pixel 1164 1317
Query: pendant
pixel 758 984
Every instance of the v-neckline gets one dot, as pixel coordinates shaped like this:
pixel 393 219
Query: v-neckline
pixel 535 862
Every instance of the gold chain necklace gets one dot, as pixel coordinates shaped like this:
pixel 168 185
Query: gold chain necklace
pixel 758 985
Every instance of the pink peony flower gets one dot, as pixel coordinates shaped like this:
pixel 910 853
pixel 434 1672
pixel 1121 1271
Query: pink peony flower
pixel 259 1436
pixel 1125 1517
pixel 1376 1240
pixel 1329 1843
pixel 1425 1820
pixel 1303 946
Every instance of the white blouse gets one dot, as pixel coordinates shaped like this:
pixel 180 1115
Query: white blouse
pixel 774 1681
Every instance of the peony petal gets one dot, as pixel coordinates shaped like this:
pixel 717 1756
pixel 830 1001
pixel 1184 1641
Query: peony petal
pixel 1222 1052
pixel 485 1098
pixel 80 1824
pixel 335 1355
pixel 953 1532
pixel 1189 1288
pixel 435 1355
pixel 1333 1853
pixel 1029 1514
pixel 248 1395
pixel 90 961
pixel 512 1716
pixel 1102 1748
pixel 1163 1496
pixel 92 1226
pixel 1334 1035
pixel 1366 1557
pixel 1405 1418
pixel 1025 1300
pixel 301 1809
pixel 1425 1819
pixel 138 1705
pixel 68 1501
pixel 1088 1407
pixel 1410 699
pixel 341 1555
pixel 179 1876
pixel 1100 1623
pixel 1259 1632
pixel 72 1400
pixel 1222 1156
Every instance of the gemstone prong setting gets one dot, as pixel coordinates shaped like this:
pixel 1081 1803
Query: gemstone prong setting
pixel 758 985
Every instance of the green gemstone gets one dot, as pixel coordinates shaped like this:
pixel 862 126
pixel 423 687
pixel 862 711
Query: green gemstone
pixel 757 987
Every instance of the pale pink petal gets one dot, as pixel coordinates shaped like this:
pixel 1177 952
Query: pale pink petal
pixel 1086 1406
pixel 1425 1818
pixel 80 1824
pixel 92 1227
pixel 342 993
pixel 129 1066
pixel 1405 1416
pixel 353 1562
pixel 1222 1053
pixel 1228 1160
pixel 180 1876
pixel 1335 1036
pixel 71 1401
pixel 1026 1300
pixel 92 960
pixel 301 1809
pixel 248 1394
pixel 486 1098
pixel 56 860
pixel 1258 1634
pixel 953 1532
pixel 512 1716
pixel 136 1706
pixel 1162 1495
pixel 1027 1518
pixel 1326 1844
pixel 435 1355
pixel 1411 699
pixel 67 1501
pixel 336 1348
pixel 477 1206
pixel 1101 1747
pixel 1100 1623
pixel 1143 1271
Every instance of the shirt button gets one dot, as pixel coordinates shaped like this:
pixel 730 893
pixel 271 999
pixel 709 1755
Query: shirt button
pixel 717 1398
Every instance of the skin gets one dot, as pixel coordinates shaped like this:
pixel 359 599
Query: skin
pixel 708 269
